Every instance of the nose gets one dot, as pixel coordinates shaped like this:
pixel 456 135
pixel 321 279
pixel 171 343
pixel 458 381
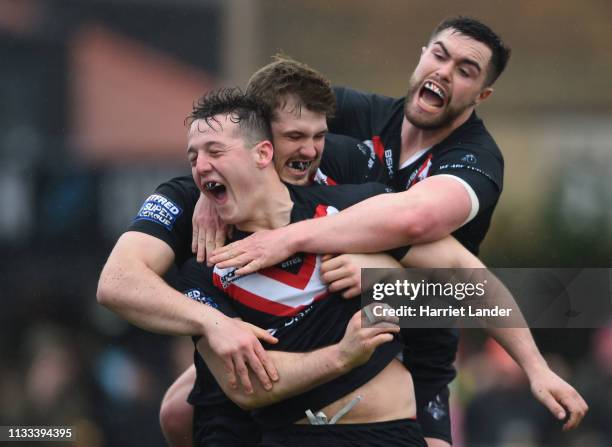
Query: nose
pixel 203 165
pixel 309 150
pixel 444 71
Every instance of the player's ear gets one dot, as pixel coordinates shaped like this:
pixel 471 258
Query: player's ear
pixel 263 153
pixel 484 95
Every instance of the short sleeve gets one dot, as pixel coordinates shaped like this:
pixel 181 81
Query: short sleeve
pixel 166 214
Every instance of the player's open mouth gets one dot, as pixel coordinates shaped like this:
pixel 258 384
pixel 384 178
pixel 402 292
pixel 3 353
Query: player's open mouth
pixel 299 166
pixel 217 190
pixel 432 96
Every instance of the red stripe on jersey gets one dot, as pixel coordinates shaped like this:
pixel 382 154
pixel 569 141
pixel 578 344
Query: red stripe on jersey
pixel 262 304
pixel 320 211
pixel 298 280
pixel 379 149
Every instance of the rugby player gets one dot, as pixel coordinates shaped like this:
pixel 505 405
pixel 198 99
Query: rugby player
pixel 433 143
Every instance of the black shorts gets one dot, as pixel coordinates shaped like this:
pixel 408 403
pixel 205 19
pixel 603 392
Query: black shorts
pixel 433 412
pixel 399 433
pixel 223 427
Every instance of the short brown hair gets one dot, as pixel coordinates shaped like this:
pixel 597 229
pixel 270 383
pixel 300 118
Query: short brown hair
pixel 285 77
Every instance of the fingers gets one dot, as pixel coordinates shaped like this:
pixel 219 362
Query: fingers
pixel 262 334
pixel 201 248
pixel 331 263
pixel 224 253
pixel 243 374
pixel 209 245
pixel 268 364
pixel 332 275
pixel 577 408
pixel 249 268
pixel 341 284
pixel 194 239
pixel 553 406
pixel 260 372
pixel 231 373
pixel 379 340
pixel 351 293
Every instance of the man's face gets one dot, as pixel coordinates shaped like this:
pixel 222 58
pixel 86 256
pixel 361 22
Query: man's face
pixel 299 137
pixel 222 167
pixel 449 79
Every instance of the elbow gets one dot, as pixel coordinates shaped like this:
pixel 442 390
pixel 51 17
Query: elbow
pixel 109 287
pixel 104 294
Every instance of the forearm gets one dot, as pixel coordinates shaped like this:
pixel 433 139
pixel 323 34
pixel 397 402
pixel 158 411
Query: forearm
pixel 519 343
pixel 298 373
pixel 421 214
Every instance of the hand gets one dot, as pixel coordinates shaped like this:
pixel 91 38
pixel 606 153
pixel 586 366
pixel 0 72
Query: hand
pixel 262 249
pixel 208 229
pixel 343 272
pixel 359 342
pixel 237 344
pixel 558 396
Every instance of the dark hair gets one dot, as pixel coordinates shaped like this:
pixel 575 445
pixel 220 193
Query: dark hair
pixel 284 77
pixel 250 113
pixel 470 27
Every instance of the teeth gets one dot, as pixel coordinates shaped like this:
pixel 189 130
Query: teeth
pixel 211 185
pixel 300 165
pixel 434 88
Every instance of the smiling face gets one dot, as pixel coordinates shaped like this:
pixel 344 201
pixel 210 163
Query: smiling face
pixel 223 167
pixel 299 136
pixel 448 81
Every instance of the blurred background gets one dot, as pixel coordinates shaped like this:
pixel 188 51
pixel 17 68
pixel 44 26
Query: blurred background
pixel 94 94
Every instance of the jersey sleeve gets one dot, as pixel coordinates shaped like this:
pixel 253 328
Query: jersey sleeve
pixel 346 160
pixel 195 282
pixel 166 214
pixel 482 170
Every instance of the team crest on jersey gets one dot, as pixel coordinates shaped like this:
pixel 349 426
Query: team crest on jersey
pixel 286 289
pixel 420 173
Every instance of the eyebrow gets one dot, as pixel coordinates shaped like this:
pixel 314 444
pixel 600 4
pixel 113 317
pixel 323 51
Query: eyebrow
pixel 466 60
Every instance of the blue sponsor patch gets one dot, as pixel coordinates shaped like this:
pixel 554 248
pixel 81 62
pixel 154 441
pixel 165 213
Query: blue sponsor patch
pixel 197 295
pixel 161 210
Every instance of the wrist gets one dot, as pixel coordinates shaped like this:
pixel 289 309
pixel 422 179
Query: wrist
pixel 534 366
pixel 339 359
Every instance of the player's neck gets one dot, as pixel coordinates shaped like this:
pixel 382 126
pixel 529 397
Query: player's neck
pixel 272 207
pixel 415 139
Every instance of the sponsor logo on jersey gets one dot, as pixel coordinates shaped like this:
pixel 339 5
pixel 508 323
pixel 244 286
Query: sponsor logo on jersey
pixel 384 155
pixel 161 210
pixel 286 289
pixel 197 295
pixel 420 173
pixel 469 158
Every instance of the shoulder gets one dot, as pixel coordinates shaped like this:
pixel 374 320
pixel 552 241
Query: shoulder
pixel 339 196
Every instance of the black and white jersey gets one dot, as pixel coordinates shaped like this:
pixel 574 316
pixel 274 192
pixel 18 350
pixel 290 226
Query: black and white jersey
pixel 289 299
pixel 469 153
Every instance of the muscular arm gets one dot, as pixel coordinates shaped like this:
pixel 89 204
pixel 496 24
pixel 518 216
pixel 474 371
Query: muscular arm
pixel 428 211
pixel 300 372
pixel 131 286
pixel 552 391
